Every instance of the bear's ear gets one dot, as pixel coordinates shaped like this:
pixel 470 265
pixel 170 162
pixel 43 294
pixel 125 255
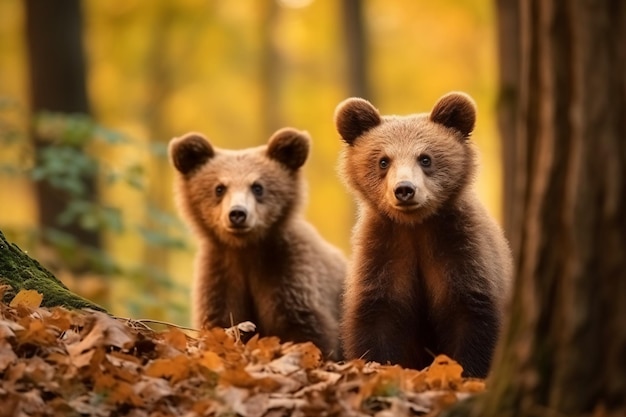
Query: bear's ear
pixel 457 111
pixel 290 147
pixel 189 152
pixel 355 116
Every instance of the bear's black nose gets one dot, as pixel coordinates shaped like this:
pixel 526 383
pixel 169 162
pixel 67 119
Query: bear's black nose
pixel 404 191
pixel 237 215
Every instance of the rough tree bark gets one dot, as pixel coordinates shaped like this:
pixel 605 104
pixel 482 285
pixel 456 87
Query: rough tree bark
pixel 57 84
pixel 563 351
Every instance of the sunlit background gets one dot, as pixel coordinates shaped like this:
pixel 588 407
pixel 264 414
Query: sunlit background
pixel 236 71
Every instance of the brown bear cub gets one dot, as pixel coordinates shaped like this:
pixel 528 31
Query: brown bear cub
pixel 431 269
pixel 258 259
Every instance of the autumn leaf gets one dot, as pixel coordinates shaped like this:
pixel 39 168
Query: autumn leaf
pixel 37 333
pixel 59 318
pixel 292 359
pixel 310 355
pixel 175 338
pixel 238 377
pixel 211 361
pixel 7 355
pixel 3 288
pixel 8 329
pixel 174 369
pixel 263 350
pixel 117 391
pixel 386 382
pixel 443 373
pixel 103 330
pixel 90 363
pixel 27 298
pixel 153 389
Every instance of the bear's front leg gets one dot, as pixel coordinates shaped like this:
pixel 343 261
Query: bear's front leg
pixel 287 312
pixel 381 330
pixel 475 332
pixel 308 325
pixel 220 298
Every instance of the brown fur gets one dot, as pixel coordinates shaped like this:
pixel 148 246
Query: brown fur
pixel 272 267
pixel 431 269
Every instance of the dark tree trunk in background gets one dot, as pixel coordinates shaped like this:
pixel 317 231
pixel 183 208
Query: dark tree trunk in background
pixel 563 351
pixel 270 69
pixel 354 32
pixel 509 51
pixel 57 84
pixel 160 79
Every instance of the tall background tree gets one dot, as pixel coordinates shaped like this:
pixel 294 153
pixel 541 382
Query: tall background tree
pixel 234 71
pixel 56 65
pixel 355 36
pixel 509 62
pixel 563 351
pixel 161 84
pixel 270 68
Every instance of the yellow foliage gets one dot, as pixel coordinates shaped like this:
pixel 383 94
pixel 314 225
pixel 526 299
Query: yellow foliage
pixel 158 69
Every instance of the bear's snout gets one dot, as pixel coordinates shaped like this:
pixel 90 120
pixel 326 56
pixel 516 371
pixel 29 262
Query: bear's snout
pixel 404 191
pixel 237 216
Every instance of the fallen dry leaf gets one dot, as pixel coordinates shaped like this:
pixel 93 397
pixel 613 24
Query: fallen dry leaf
pixel 8 329
pixel 60 362
pixel 175 338
pixel 211 361
pixel 103 331
pixel 27 298
pixel 443 373
pixel 174 369
pixel 3 289
pixel 7 356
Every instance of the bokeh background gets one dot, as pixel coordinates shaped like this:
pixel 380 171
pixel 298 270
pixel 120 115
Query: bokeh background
pixel 236 71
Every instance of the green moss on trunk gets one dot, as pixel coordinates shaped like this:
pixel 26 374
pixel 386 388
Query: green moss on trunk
pixel 20 271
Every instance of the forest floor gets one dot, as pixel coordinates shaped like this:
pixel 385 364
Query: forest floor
pixel 74 363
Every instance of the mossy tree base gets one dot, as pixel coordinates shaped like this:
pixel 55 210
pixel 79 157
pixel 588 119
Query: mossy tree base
pixel 20 271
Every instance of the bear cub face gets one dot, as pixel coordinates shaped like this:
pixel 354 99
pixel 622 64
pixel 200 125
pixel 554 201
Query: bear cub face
pixel 238 197
pixel 407 167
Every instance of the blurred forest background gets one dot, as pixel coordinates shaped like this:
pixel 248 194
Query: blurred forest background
pixel 87 190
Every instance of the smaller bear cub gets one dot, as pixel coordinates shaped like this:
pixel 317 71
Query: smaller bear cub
pixel 431 269
pixel 258 259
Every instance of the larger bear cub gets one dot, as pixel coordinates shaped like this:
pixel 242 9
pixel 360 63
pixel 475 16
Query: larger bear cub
pixel 431 270
pixel 258 259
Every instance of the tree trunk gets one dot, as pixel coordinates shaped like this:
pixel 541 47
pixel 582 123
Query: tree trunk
pixel 563 351
pixel 57 84
pixel 271 69
pixel 20 272
pixel 356 48
pixel 159 77
pixel 508 48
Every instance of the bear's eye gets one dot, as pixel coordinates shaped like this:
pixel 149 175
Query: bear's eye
pixel 257 189
pixel 425 160
pixel 220 189
pixel 383 163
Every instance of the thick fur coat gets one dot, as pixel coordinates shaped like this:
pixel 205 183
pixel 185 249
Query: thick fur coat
pixel 431 269
pixel 258 259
